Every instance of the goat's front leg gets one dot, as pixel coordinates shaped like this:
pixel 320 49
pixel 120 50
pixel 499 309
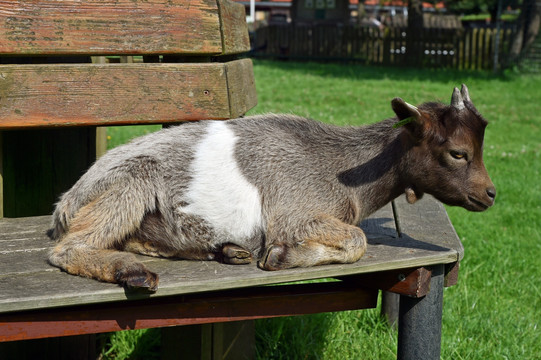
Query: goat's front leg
pixel 324 240
pixel 236 255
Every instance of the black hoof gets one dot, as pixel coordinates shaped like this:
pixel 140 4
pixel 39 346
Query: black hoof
pixel 274 258
pixel 234 254
pixel 140 279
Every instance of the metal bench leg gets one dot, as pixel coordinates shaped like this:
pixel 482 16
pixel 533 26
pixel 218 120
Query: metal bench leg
pixel 419 327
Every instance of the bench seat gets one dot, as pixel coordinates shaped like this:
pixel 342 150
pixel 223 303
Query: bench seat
pixel 29 285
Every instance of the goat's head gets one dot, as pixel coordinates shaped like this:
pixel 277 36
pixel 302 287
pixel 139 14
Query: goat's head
pixel 445 156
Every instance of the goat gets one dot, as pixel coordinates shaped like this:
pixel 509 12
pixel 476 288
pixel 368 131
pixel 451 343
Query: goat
pixel 286 190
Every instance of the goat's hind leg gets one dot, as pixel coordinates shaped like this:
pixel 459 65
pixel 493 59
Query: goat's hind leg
pixel 324 240
pixel 105 265
pixel 98 229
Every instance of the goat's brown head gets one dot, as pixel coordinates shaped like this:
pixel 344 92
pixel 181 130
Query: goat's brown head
pixel 445 152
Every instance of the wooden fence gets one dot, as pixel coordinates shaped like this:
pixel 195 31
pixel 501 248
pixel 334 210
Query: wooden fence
pixel 446 48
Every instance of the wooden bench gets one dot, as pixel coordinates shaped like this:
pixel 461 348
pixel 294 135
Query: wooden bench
pixel 52 102
pixel 38 301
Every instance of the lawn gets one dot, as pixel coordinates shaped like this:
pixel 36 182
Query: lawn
pixel 495 310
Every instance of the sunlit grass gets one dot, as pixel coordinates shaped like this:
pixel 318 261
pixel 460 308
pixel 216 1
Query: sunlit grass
pixel 131 344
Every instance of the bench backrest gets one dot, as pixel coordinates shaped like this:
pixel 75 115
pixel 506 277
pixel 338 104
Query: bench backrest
pixel 92 94
pixel 176 60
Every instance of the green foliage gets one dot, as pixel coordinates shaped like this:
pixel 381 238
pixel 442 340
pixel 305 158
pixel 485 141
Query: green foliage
pixel 479 6
pixel 131 344
pixel 117 135
pixel 495 310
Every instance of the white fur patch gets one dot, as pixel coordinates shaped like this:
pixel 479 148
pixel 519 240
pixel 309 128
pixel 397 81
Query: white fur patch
pixel 218 192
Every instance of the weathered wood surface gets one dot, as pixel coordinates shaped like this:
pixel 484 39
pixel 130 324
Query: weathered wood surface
pixel 114 94
pixel 70 27
pixel 410 282
pixel 430 216
pixel 28 282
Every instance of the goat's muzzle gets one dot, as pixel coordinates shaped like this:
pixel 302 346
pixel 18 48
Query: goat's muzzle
pixel 477 204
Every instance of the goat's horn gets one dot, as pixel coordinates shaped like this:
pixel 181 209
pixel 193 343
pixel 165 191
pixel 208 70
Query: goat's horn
pixel 413 110
pixel 464 92
pixel 456 100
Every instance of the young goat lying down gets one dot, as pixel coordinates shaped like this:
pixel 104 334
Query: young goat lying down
pixel 283 189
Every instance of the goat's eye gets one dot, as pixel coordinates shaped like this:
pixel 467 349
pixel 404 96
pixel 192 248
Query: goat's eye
pixel 459 155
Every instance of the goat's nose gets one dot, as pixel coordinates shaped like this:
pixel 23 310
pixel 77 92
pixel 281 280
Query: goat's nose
pixel 491 192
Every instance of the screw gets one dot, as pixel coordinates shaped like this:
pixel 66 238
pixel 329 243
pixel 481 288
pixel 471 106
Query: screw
pixel 401 277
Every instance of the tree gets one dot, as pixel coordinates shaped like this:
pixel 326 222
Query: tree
pixel 468 7
pixel 415 27
pixel 528 22
pixel 528 25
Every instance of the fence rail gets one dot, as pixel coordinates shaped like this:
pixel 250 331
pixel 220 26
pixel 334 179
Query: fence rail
pixel 446 48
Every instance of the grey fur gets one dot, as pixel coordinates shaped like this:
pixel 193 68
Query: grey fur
pixel 316 182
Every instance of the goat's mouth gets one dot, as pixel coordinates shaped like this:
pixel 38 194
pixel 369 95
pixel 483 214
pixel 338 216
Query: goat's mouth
pixel 477 205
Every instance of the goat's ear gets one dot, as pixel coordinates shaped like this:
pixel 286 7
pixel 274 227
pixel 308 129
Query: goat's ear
pixel 404 110
pixel 409 115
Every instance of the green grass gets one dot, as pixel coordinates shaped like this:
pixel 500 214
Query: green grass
pixel 495 310
pixel 132 344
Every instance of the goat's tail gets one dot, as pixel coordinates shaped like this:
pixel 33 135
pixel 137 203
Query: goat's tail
pixel 60 222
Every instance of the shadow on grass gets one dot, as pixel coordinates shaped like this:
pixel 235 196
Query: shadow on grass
pixel 296 337
pixel 358 71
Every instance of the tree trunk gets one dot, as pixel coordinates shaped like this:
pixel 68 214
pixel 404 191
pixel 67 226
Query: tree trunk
pixel 528 25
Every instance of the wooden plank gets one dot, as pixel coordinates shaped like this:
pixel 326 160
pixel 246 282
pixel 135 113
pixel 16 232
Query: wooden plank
pixel 18 228
pixel 1 175
pixel 235 38
pixel 428 219
pixel 451 274
pixel 409 282
pixel 114 94
pixel 224 306
pixel 22 284
pixel 101 141
pixel 241 87
pixel 128 27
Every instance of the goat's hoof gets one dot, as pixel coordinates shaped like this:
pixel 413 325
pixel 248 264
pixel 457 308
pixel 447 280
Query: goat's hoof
pixel 139 279
pixel 234 254
pixel 274 258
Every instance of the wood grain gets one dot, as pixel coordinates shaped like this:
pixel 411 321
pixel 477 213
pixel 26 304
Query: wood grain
pixel 234 30
pixel 28 282
pixel 429 219
pixel 103 27
pixel 114 94
pixel 451 274
pixel 409 282
pixel 241 86
pixel 1 175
